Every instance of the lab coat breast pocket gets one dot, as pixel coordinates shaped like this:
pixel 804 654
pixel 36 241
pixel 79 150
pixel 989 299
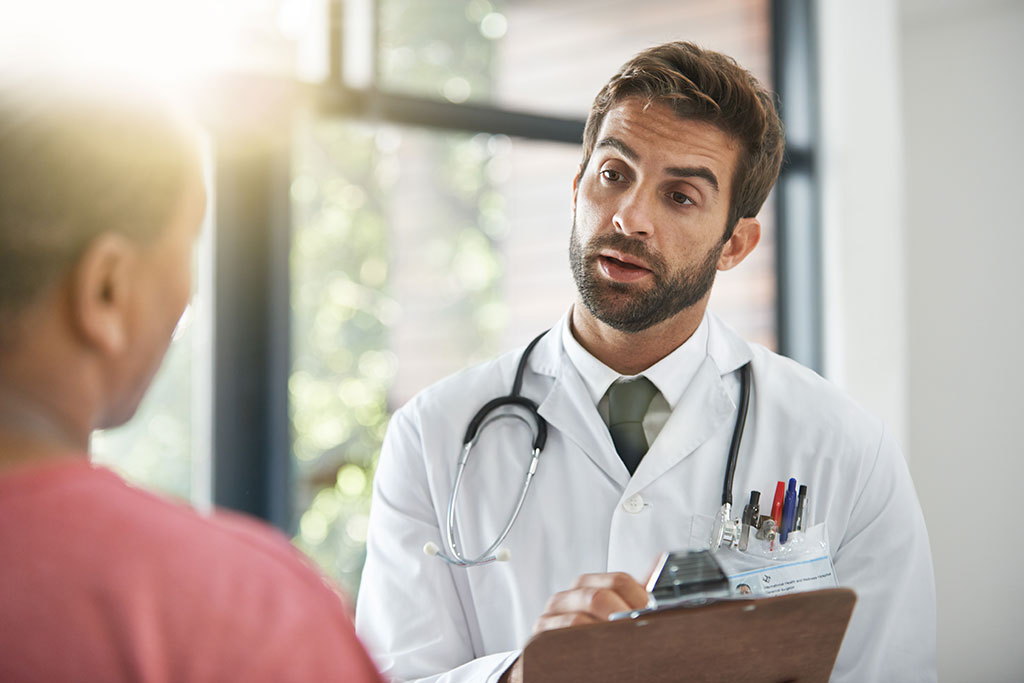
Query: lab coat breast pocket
pixel 769 567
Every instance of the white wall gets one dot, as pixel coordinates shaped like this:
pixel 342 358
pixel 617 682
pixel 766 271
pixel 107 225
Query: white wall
pixel 862 162
pixel 924 161
pixel 964 149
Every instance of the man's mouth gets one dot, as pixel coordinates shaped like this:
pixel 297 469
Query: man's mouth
pixel 622 264
pixel 621 267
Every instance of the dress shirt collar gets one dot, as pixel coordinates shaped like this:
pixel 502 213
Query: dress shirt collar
pixel 671 375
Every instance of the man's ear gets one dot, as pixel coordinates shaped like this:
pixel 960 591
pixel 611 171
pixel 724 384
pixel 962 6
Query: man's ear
pixel 101 293
pixel 744 238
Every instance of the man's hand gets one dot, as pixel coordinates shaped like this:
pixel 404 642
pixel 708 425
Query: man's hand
pixel 591 600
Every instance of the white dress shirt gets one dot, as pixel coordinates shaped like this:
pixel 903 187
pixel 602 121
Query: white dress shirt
pixel 671 375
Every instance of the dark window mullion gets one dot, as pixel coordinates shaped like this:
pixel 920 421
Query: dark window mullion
pixel 423 112
pixel 251 431
pixel 799 302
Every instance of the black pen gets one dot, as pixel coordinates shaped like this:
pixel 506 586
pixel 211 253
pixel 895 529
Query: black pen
pixel 801 502
pixel 751 515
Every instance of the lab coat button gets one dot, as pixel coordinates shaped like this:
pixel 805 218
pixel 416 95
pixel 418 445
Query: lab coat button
pixel 634 504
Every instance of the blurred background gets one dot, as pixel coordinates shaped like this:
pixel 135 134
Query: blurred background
pixel 390 187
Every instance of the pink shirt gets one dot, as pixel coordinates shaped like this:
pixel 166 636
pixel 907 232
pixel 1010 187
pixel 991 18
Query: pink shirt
pixel 100 581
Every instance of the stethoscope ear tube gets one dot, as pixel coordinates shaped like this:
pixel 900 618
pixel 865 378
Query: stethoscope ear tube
pixel 513 399
pixel 737 434
pixel 539 439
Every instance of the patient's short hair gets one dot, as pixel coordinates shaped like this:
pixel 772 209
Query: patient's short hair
pixel 78 158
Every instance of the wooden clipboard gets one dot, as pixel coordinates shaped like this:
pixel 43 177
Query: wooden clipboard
pixel 792 637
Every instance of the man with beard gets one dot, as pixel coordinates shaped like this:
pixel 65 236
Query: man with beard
pixel 640 389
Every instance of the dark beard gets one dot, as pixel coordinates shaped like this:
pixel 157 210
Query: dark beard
pixel 616 304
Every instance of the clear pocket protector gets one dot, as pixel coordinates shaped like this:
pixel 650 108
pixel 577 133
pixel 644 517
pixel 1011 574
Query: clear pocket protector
pixel 769 567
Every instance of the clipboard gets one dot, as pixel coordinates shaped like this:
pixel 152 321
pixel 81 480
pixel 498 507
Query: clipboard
pixel 792 638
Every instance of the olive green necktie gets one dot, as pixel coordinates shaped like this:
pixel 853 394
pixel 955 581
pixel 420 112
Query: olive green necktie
pixel 627 405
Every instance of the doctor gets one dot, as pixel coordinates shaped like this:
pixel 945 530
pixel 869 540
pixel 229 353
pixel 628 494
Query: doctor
pixel 680 150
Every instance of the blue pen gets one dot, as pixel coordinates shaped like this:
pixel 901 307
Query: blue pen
pixel 788 511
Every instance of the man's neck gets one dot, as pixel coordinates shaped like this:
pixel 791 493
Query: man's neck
pixel 630 353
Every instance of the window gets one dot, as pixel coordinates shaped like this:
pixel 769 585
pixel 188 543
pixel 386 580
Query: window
pixel 418 250
pixel 394 204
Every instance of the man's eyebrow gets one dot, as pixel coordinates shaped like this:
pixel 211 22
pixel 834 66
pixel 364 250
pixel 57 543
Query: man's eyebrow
pixel 675 171
pixel 694 172
pixel 619 145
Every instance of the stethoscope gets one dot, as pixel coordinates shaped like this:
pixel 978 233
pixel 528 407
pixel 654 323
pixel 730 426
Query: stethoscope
pixel 724 529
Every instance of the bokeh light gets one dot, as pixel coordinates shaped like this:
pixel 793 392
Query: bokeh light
pixel 168 41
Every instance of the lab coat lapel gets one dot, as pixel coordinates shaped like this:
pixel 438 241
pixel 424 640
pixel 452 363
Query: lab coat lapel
pixel 567 408
pixel 702 410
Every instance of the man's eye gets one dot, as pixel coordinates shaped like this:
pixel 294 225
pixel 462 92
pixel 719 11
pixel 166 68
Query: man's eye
pixel 680 198
pixel 609 174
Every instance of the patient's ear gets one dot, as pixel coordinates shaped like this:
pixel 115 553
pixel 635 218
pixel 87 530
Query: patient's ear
pixel 102 293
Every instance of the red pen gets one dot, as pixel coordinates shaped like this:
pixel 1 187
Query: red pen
pixel 780 496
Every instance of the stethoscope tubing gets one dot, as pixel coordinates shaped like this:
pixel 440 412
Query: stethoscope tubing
pixel 487 556
pixel 737 434
pixel 473 430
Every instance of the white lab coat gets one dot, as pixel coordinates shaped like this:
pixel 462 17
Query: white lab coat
pixel 423 619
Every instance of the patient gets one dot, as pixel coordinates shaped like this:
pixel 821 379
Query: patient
pixel 101 199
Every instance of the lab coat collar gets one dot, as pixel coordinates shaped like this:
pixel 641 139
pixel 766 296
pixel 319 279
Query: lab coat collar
pixel 546 358
pixel 703 407
pixel 727 350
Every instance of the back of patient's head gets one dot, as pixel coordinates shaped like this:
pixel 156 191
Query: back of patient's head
pixel 79 157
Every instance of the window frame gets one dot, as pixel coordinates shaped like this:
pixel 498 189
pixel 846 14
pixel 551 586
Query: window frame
pixel 252 469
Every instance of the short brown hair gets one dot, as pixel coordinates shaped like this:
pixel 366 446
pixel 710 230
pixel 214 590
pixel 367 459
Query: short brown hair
pixel 80 157
pixel 706 86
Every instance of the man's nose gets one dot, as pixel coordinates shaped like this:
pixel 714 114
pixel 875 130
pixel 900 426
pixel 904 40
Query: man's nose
pixel 634 216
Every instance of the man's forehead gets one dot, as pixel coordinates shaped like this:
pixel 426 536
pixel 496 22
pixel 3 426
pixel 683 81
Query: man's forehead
pixel 652 132
pixel 657 121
